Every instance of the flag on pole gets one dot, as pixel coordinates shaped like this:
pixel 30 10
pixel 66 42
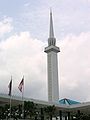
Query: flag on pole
pixel 20 87
pixel 10 87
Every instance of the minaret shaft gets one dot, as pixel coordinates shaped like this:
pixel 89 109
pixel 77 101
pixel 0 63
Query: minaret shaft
pixel 52 65
pixel 53 93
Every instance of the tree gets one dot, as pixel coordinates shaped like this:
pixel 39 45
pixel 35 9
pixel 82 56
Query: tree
pixel 1 112
pixel 29 109
pixel 50 111
pixel 82 116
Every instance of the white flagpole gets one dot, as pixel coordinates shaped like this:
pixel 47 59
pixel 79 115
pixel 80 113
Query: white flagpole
pixel 23 99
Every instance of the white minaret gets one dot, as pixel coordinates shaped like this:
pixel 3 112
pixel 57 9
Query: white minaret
pixel 52 65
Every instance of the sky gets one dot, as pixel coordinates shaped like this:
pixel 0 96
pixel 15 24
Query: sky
pixel 24 31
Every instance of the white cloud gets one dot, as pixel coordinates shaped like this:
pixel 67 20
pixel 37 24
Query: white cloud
pixel 68 16
pixel 21 55
pixel 5 25
pixel 75 66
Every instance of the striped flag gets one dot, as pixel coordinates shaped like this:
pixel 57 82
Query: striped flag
pixel 20 87
pixel 10 87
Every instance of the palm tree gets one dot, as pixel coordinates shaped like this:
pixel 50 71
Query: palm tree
pixel 82 116
pixel 50 111
pixel 1 112
pixel 29 109
pixel 4 111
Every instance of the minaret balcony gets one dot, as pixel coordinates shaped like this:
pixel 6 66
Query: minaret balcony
pixel 52 48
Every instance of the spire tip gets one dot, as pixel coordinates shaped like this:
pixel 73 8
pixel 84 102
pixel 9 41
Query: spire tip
pixel 50 10
pixel 51 40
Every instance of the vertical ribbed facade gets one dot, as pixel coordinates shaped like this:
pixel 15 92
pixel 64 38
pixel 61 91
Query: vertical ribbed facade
pixel 52 65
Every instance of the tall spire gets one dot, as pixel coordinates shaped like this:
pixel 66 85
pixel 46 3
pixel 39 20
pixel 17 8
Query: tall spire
pixel 51 39
pixel 51 34
pixel 52 65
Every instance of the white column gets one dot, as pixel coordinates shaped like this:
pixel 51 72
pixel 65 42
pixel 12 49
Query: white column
pixel 52 70
pixel 52 65
pixel 53 93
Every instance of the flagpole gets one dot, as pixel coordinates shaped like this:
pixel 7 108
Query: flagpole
pixel 21 88
pixel 10 106
pixel 23 99
pixel 10 96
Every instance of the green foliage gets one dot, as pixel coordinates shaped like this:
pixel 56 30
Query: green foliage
pixel 4 112
pixel 16 111
pixel 50 111
pixel 82 116
pixel 29 109
pixel 32 111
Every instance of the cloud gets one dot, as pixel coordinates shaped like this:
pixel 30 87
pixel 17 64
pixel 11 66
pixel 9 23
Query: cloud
pixel 5 25
pixel 20 54
pixel 75 67
pixel 68 16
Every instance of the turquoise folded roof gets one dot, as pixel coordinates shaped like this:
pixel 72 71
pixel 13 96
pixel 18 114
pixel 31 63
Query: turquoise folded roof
pixel 68 101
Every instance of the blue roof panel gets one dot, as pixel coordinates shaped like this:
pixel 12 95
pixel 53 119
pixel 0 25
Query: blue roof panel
pixel 68 101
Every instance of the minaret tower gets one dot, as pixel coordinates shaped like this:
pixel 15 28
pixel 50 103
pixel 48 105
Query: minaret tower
pixel 52 65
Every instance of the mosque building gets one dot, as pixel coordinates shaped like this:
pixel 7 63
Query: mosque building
pixel 65 107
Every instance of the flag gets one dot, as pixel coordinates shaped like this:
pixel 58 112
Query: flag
pixel 10 87
pixel 20 87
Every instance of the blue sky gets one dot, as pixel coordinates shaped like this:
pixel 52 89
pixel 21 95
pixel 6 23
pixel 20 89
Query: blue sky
pixel 70 17
pixel 24 29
